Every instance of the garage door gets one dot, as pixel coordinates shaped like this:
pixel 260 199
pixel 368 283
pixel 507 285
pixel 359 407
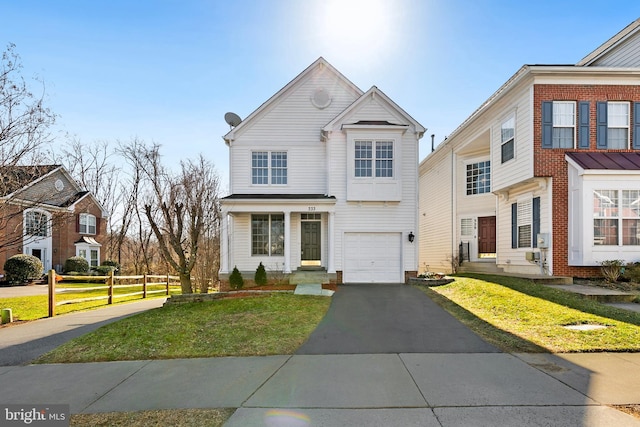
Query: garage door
pixel 372 258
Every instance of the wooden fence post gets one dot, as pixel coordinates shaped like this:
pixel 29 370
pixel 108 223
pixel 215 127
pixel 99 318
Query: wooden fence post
pixel 110 283
pixel 52 293
pixel 167 283
pixel 144 285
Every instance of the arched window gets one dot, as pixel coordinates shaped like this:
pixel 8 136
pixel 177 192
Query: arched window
pixel 36 223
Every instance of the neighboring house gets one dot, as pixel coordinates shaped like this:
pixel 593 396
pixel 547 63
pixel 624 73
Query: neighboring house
pixel 325 176
pixel 546 171
pixel 45 213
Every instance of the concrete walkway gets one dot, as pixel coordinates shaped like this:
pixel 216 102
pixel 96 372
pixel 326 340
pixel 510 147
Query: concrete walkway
pixel 397 388
pixel 22 342
pixel 408 389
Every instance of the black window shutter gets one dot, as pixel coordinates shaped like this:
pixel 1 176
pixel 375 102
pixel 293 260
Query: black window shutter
pixel 601 125
pixel 547 124
pixel 583 130
pixel 514 225
pixel 536 221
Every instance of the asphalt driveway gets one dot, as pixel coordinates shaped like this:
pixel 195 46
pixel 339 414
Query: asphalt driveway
pixel 389 318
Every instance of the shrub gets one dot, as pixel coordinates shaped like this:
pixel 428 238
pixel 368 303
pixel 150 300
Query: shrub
pixel 111 263
pixel 76 264
pixel 235 279
pixel 22 267
pixel 261 275
pixel 632 272
pixel 104 270
pixel 612 269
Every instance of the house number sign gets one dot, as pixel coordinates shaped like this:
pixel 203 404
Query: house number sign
pixel 312 208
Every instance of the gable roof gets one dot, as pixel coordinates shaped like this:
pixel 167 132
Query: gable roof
pixel 611 44
pixel 373 92
pixel 319 63
pixel 14 178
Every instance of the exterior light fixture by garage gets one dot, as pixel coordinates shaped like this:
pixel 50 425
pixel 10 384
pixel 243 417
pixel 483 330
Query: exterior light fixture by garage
pixel 411 236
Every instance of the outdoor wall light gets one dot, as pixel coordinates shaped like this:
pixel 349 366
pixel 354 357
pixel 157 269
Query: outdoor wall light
pixel 411 236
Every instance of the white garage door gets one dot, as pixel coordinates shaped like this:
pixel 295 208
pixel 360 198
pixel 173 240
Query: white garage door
pixel 372 258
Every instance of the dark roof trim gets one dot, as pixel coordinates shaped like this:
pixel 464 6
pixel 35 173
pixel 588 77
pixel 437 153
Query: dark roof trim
pixel 629 161
pixel 279 197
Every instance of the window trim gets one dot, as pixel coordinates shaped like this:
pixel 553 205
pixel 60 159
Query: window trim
pixel 271 177
pixel 511 141
pixel 375 161
pixel 627 126
pixel 473 190
pixel 269 237
pixel 87 225
pixel 47 225
pixel 556 126
pixel 619 217
pixel 88 251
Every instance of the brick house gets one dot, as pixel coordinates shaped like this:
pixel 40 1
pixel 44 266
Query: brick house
pixel 544 177
pixel 45 213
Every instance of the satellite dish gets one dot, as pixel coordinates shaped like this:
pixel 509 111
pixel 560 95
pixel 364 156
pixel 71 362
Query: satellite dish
pixel 232 119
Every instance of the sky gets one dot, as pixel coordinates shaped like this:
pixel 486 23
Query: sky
pixel 166 71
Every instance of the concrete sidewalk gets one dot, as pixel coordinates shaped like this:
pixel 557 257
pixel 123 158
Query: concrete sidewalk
pixel 23 342
pixel 409 389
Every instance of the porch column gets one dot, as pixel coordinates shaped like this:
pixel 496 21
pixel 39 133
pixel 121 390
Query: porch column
pixel 287 242
pixel 331 242
pixel 224 244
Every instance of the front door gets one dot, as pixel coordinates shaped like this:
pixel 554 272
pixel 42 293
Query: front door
pixel 310 247
pixel 486 236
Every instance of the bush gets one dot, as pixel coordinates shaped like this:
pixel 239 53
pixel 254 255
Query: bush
pixel 632 272
pixel 76 264
pixel 235 279
pixel 22 267
pixel 612 269
pixel 261 275
pixel 104 270
pixel 111 263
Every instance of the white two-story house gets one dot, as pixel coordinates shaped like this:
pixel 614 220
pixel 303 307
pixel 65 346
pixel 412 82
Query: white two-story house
pixel 323 176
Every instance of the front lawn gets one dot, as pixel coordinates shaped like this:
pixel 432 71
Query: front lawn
pixel 518 315
pixel 263 325
pixel 37 307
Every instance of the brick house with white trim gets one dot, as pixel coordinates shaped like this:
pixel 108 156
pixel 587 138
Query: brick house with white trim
pixel 543 177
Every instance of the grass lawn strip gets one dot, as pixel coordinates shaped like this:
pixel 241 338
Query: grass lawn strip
pixel 173 417
pixel 262 325
pixel 518 315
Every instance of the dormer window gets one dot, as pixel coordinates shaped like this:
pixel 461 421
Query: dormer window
pixel 87 224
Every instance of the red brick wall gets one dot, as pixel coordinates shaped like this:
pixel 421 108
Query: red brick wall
pixel 551 162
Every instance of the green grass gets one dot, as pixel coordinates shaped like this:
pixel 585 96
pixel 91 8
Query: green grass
pixel 37 307
pixel 265 325
pixel 168 417
pixel 518 315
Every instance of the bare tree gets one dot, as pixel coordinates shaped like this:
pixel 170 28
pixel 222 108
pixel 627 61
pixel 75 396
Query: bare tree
pixel 25 122
pixel 25 125
pixel 180 207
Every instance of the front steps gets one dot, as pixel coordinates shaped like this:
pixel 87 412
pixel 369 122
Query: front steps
pixel 309 277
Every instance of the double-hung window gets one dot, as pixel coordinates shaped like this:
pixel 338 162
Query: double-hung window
pixel 616 217
pixel 564 124
pixel 613 122
pixel 373 158
pixel 507 139
pixel 267 234
pixel 87 224
pixel 479 178
pixel 269 167
pixel 525 223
